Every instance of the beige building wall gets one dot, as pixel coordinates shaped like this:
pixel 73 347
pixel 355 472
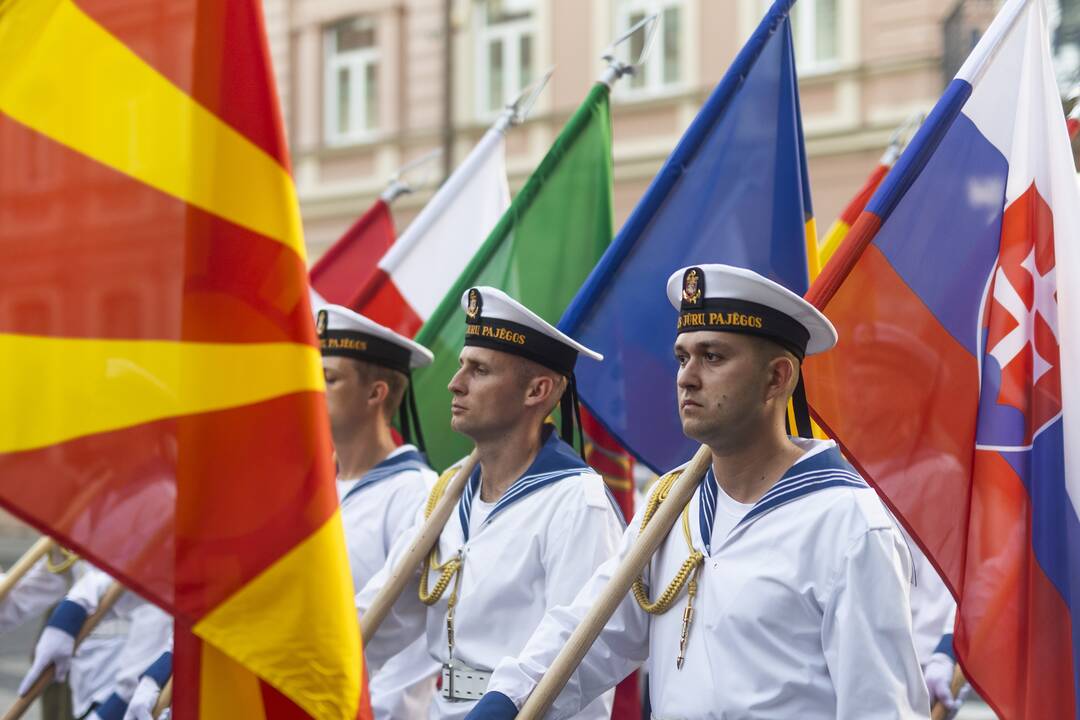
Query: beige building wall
pixel 887 64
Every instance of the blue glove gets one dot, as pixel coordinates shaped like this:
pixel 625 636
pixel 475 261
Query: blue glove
pixel 493 706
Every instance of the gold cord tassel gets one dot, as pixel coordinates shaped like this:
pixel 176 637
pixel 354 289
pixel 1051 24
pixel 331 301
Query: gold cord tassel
pixel 61 564
pixel 446 571
pixel 687 575
pixel 451 567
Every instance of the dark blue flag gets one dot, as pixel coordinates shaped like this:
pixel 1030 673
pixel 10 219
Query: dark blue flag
pixel 734 190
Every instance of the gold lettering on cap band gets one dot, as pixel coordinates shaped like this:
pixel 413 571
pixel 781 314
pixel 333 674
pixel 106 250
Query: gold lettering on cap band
pixel 343 344
pixel 720 320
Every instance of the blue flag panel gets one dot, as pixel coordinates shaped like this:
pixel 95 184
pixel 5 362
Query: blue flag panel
pixel 732 191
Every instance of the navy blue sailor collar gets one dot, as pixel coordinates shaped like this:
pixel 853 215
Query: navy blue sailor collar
pixel 815 471
pixel 404 459
pixel 556 461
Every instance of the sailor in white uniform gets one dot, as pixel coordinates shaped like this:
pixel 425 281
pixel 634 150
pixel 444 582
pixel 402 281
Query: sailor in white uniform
pixel 381 487
pixel 798 578
pixel 104 670
pixel 91 672
pixel 532 525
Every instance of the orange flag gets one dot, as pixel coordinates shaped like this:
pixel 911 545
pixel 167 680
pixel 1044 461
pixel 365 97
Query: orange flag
pixel 161 401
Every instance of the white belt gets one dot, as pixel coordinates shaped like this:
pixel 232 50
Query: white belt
pixel 461 682
pixel 113 627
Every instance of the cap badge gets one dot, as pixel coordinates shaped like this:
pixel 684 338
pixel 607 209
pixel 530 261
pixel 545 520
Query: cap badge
pixel 692 287
pixel 476 303
pixel 320 323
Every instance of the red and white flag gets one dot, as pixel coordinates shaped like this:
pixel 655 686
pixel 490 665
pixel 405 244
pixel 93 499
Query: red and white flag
pixel 403 291
pixel 349 265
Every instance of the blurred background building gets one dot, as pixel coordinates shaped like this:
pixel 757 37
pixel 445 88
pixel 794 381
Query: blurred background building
pixel 367 85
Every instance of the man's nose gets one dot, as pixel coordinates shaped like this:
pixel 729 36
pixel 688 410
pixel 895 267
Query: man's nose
pixel 457 383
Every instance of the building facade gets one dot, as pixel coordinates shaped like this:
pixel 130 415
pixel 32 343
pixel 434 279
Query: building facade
pixel 367 85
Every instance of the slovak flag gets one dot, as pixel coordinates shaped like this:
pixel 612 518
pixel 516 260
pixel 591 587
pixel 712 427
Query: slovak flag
pixel 955 386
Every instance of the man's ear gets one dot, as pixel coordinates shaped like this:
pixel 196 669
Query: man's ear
pixel 378 393
pixel 538 390
pixel 782 375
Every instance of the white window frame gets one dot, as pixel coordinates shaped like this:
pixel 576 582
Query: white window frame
pixel 510 33
pixel 655 85
pixel 804 25
pixel 357 62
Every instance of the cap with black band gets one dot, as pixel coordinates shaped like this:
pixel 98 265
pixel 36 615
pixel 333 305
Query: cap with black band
pixel 496 321
pixel 724 298
pixel 344 333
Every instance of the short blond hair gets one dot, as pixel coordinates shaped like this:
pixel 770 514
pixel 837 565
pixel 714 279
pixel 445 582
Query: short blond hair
pixel 396 384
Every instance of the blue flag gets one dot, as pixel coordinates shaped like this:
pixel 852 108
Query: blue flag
pixel 734 190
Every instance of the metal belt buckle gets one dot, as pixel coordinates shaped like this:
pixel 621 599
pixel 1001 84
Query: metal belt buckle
pixel 461 682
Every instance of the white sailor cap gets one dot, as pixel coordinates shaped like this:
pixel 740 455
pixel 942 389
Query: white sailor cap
pixel 345 333
pixel 724 298
pixel 497 321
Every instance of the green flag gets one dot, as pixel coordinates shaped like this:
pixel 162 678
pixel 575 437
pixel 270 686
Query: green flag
pixel 540 253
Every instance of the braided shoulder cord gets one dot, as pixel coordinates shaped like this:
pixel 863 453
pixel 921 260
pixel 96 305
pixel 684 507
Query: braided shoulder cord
pixel 690 567
pixel 65 561
pixel 446 570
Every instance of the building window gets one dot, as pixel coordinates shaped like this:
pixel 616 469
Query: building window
pixel 815 27
pixel 506 52
pixel 663 68
pixel 351 86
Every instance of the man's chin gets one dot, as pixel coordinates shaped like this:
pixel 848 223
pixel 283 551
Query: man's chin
pixel 461 426
pixel 696 430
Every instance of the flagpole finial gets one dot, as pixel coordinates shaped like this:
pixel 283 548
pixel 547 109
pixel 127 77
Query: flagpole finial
pixel 400 184
pixel 517 111
pixel 901 137
pixel 617 68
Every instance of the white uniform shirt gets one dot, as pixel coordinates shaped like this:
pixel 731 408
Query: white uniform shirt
pixel 932 606
pixel 35 592
pixel 376 510
pixel 380 506
pixel 802 612
pixel 112 658
pixel 541 542
pixel 150 635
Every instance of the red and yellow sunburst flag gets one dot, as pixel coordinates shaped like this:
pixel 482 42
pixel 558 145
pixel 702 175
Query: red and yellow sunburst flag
pixel 161 398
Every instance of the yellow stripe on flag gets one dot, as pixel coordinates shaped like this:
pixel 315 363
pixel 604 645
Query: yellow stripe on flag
pixel 66 77
pixel 813 259
pixel 57 389
pixel 832 240
pixel 227 690
pixel 814 262
pixel 258 624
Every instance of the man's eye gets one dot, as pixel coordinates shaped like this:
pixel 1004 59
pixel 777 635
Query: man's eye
pixel 712 357
pixel 682 360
